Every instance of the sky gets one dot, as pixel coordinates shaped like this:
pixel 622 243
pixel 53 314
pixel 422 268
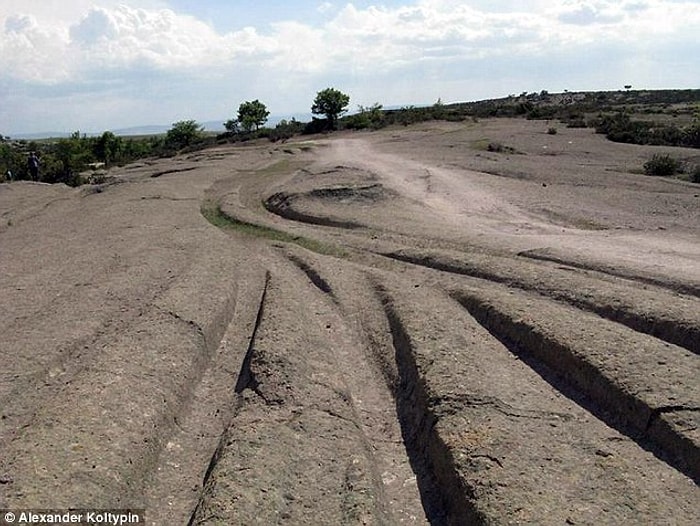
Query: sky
pixel 96 65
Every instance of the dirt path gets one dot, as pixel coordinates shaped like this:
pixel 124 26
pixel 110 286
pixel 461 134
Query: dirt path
pixel 469 210
pixel 363 329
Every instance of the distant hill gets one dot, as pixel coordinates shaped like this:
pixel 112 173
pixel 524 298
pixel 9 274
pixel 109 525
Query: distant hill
pixel 570 106
pixel 155 129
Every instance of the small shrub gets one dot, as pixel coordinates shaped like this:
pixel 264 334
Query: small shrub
pixel 315 126
pixel 368 117
pixel 552 131
pixel 497 147
pixel 286 130
pixel 662 165
pixel 695 174
pixel 577 123
pixel 97 178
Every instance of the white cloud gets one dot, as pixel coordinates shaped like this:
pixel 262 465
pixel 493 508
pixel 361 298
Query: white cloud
pixel 32 52
pixel 125 37
pixel 325 7
pixel 421 45
pixel 121 37
pixel 588 13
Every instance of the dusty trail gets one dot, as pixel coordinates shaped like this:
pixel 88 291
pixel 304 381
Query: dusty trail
pixel 362 329
pixel 474 213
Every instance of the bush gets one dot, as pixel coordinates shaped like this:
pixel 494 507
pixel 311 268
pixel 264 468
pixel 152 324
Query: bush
pixel 662 165
pixel 620 128
pixel 315 126
pixel 577 122
pixel 695 174
pixel 286 130
pixel 183 133
pixel 497 147
pixel 368 117
pixel 552 131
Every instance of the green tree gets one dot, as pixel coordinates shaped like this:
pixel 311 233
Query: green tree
pixel 12 160
pixel 72 155
pixel 108 148
pixel 332 103
pixel 232 125
pixel 183 133
pixel 438 110
pixel 252 114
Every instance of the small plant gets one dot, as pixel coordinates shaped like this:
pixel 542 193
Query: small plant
pixel 662 165
pixel 552 131
pixel 97 178
pixel 495 146
pixel 577 122
pixel 695 174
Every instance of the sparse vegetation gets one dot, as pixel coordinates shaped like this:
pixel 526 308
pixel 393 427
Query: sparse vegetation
pixel 695 174
pixel 367 117
pixel 620 127
pixel 662 165
pixel 497 147
pixel 657 117
pixel 286 130
pixel 66 160
pixel 213 213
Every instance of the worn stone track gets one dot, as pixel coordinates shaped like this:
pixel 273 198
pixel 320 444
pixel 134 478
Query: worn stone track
pixel 332 350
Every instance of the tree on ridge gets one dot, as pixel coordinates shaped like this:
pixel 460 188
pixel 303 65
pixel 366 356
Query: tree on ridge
pixel 332 103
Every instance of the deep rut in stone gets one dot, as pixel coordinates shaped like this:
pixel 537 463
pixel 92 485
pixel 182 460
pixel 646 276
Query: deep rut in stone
pixel 276 390
pixel 444 497
pixel 612 393
pixel 683 332
pixel 365 347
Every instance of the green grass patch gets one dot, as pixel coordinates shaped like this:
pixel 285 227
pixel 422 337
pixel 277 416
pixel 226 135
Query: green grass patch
pixel 481 144
pixel 487 145
pixel 219 219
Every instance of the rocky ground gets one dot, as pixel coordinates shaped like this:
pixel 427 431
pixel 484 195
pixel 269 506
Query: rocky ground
pixel 397 327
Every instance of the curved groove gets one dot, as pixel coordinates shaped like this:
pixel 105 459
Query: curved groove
pixel 280 204
pixel 675 286
pixel 173 171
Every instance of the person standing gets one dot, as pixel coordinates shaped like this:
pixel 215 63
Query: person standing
pixel 33 165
